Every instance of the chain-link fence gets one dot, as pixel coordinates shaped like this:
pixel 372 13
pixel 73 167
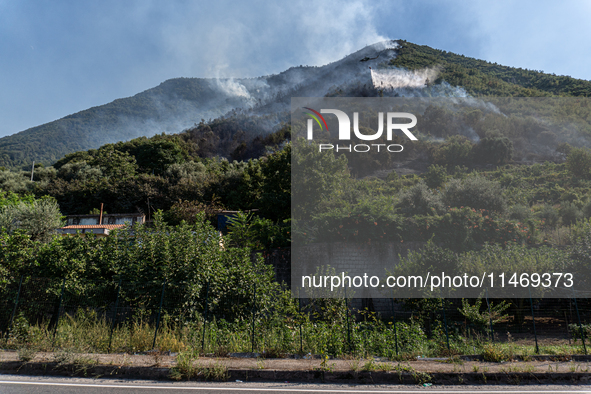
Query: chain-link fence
pixel 210 317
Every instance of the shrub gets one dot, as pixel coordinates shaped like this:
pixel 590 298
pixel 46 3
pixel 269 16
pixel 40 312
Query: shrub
pixel 456 150
pixel 587 210
pixel 520 212
pixel 570 213
pixel 549 215
pixel 493 150
pixel 494 230
pixel 475 192
pixel 26 354
pixel 431 258
pixel 564 148
pixel 435 176
pixel 578 162
pixel 420 200
pixel 411 336
pixel 456 227
pixel 580 255
pixel 483 319
pixel 247 230
pixel 185 366
pixel 188 210
pixel 496 354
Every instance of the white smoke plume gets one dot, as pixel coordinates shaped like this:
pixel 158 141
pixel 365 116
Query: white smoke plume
pixel 398 78
pixel 232 88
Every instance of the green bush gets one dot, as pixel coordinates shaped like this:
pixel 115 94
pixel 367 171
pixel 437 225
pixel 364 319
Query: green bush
pixel 483 319
pixel 496 354
pixel 493 150
pixel 435 176
pixel 420 200
pixel 456 227
pixel 456 150
pixel 475 192
pixel 514 258
pixel 570 213
pixel 549 215
pixel 411 336
pixel 431 258
pixel 580 255
pixel 247 230
pixel 578 162
pixel 587 210
pixel 520 212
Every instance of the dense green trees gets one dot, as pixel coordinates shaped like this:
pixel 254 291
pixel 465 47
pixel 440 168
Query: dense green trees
pixel 10 198
pixel 187 256
pixel 149 174
pixel 458 150
pixel 275 201
pixel 316 176
pixel 540 197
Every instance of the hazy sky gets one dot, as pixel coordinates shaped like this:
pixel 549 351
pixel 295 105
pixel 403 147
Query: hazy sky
pixel 59 57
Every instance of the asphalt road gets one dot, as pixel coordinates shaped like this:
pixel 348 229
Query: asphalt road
pixel 10 384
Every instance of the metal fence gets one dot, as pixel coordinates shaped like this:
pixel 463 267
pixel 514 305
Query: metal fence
pixel 109 316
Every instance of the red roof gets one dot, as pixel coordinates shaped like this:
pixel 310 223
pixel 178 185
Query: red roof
pixel 107 226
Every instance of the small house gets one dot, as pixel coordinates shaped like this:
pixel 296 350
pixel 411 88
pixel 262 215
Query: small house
pixel 100 225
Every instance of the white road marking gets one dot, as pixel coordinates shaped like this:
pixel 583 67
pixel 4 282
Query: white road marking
pixel 291 390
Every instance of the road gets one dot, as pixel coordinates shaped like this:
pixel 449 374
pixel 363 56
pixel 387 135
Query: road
pixel 11 384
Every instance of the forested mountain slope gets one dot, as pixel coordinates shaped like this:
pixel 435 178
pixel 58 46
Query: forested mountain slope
pixel 180 103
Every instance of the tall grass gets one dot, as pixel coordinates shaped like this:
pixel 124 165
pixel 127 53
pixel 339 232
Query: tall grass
pixel 89 332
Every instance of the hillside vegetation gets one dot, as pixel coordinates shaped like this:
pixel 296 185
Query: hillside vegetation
pixel 170 107
pixel 482 78
pixel 515 197
pixel 180 103
pixel 235 162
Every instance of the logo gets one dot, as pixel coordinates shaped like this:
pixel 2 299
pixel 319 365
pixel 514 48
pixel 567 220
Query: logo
pixel 344 131
pixel 317 121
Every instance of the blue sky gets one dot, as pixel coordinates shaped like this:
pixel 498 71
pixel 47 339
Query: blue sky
pixel 61 57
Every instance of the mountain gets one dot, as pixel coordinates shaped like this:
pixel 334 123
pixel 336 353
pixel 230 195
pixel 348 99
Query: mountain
pixel 170 107
pixel 397 67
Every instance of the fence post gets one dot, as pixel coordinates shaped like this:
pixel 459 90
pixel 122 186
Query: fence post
pixel 394 319
pixel 492 336
pixel 205 318
pixel 531 303
pixel 300 312
pixel 114 317
pixel 159 313
pixel 445 322
pixel 568 334
pixel 348 323
pixel 580 325
pixel 59 307
pixel 254 300
pixel 18 294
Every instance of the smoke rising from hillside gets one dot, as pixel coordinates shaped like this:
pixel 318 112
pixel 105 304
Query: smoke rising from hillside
pixel 398 78
pixel 232 88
